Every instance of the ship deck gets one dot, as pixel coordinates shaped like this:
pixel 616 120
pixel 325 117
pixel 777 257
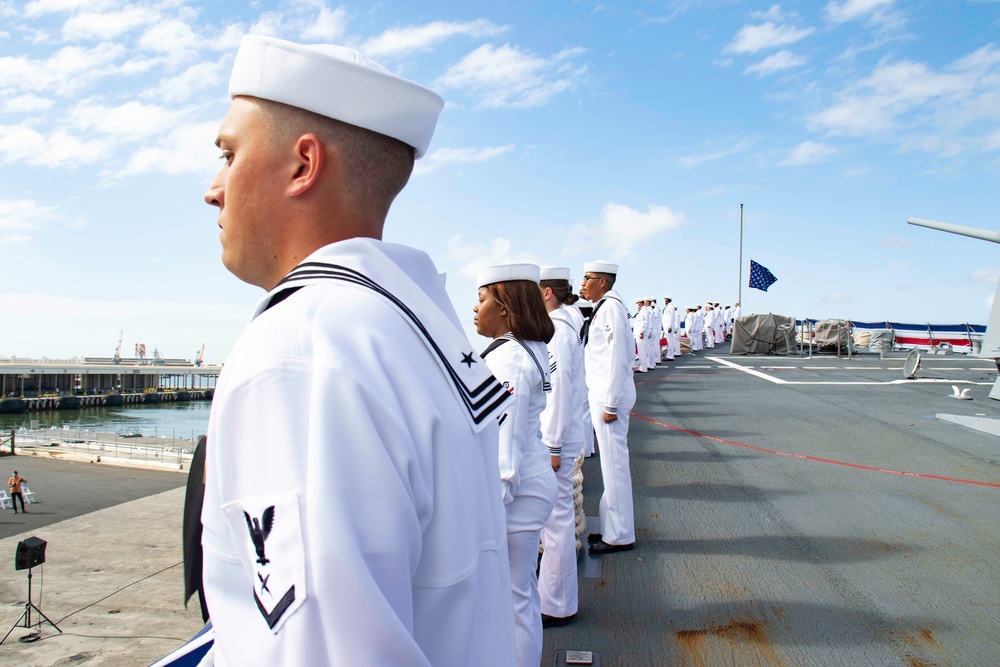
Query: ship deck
pixel 789 511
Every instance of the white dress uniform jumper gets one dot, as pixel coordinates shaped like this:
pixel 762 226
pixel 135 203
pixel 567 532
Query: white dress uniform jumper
pixel 608 358
pixel 353 511
pixel 527 480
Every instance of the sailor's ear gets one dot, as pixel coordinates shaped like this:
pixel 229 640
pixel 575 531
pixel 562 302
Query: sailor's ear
pixel 310 157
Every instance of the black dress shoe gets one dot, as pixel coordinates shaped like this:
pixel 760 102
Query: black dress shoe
pixel 556 621
pixel 594 538
pixel 605 548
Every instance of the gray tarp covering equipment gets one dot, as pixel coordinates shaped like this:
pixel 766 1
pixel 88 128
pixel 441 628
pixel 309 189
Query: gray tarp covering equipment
pixel 764 334
pixel 829 333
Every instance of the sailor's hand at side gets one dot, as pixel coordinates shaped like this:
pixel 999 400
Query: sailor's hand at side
pixel 609 417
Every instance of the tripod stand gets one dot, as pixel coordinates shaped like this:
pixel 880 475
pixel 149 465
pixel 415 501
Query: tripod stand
pixel 26 617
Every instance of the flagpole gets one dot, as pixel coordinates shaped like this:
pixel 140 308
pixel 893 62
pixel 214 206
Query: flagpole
pixel 739 292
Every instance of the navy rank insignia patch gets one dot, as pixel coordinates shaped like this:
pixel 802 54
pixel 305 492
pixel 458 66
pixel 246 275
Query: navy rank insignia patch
pixel 273 554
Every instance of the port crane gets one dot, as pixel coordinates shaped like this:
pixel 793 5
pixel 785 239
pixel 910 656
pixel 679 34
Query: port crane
pixel 118 350
pixel 201 356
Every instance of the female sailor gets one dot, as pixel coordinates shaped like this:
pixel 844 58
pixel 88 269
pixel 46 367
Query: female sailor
pixel 510 310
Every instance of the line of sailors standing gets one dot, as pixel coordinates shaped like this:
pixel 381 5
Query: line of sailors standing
pixel 569 379
pixel 657 333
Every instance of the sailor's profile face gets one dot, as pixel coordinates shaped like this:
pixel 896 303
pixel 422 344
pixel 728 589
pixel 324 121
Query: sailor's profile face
pixel 247 192
pixel 490 318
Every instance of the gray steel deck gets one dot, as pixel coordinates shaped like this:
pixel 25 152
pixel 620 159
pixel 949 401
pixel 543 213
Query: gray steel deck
pixel 776 525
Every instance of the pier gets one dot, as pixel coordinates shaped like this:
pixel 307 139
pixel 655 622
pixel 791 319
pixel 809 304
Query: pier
pixel 32 385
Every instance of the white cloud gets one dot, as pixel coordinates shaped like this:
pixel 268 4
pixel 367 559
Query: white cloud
pixel 37 8
pixel 808 152
pixel 775 63
pixel 446 156
pixel 754 38
pixel 911 96
pixel 836 297
pixel 107 25
pixel 26 104
pixel 131 121
pixel 173 38
pixel 621 228
pixel 19 143
pixel 848 10
pixel 25 214
pixel 66 70
pixel 395 41
pixel 990 276
pixel 186 150
pixel 11 239
pixel 181 87
pixel 509 77
pixel 327 25
pixel 714 150
pixel 497 251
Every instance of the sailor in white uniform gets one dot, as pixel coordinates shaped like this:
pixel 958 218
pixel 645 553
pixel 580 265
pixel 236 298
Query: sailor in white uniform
pixel 608 358
pixel 690 320
pixel 588 428
pixel 353 511
pixel 640 329
pixel 670 327
pixel 511 311
pixel 563 434
pixel 709 326
pixel 699 327
pixel 656 324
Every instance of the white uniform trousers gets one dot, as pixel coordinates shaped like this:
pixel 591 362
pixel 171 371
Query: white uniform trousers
pixel 641 353
pixel 557 583
pixel 653 348
pixel 617 518
pixel 696 339
pixel 674 340
pixel 709 339
pixel 526 515
pixel 588 434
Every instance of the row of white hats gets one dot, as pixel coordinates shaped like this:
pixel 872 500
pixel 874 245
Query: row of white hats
pixel 500 273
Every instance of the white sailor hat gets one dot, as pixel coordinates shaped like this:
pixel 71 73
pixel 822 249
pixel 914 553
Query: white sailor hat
pixel 650 298
pixel 554 273
pixel 639 300
pixel 501 273
pixel 337 82
pixel 601 266
pixel 668 298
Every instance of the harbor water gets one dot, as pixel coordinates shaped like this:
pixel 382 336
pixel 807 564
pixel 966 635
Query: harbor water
pixel 167 420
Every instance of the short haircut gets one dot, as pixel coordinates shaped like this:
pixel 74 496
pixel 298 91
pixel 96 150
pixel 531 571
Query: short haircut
pixel 526 314
pixel 561 290
pixel 375 167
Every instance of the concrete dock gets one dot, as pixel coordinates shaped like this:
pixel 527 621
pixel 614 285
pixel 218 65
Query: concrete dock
pixel 789 512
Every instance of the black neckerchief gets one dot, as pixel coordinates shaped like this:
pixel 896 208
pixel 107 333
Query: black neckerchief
pixel 585 331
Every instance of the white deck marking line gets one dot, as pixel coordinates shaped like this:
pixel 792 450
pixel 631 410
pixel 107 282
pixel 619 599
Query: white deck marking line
pixel 765 376
pixel 755 373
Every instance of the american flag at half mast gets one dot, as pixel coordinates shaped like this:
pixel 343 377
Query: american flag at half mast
pixel 760 277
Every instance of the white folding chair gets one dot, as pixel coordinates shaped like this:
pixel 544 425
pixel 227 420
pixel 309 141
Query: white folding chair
pixel 27 494
pixel 5 501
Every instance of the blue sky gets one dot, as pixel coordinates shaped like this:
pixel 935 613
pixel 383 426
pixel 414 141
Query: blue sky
pixel 573 131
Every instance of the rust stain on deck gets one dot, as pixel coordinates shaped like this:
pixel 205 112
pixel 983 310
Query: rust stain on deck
pixel 738 634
